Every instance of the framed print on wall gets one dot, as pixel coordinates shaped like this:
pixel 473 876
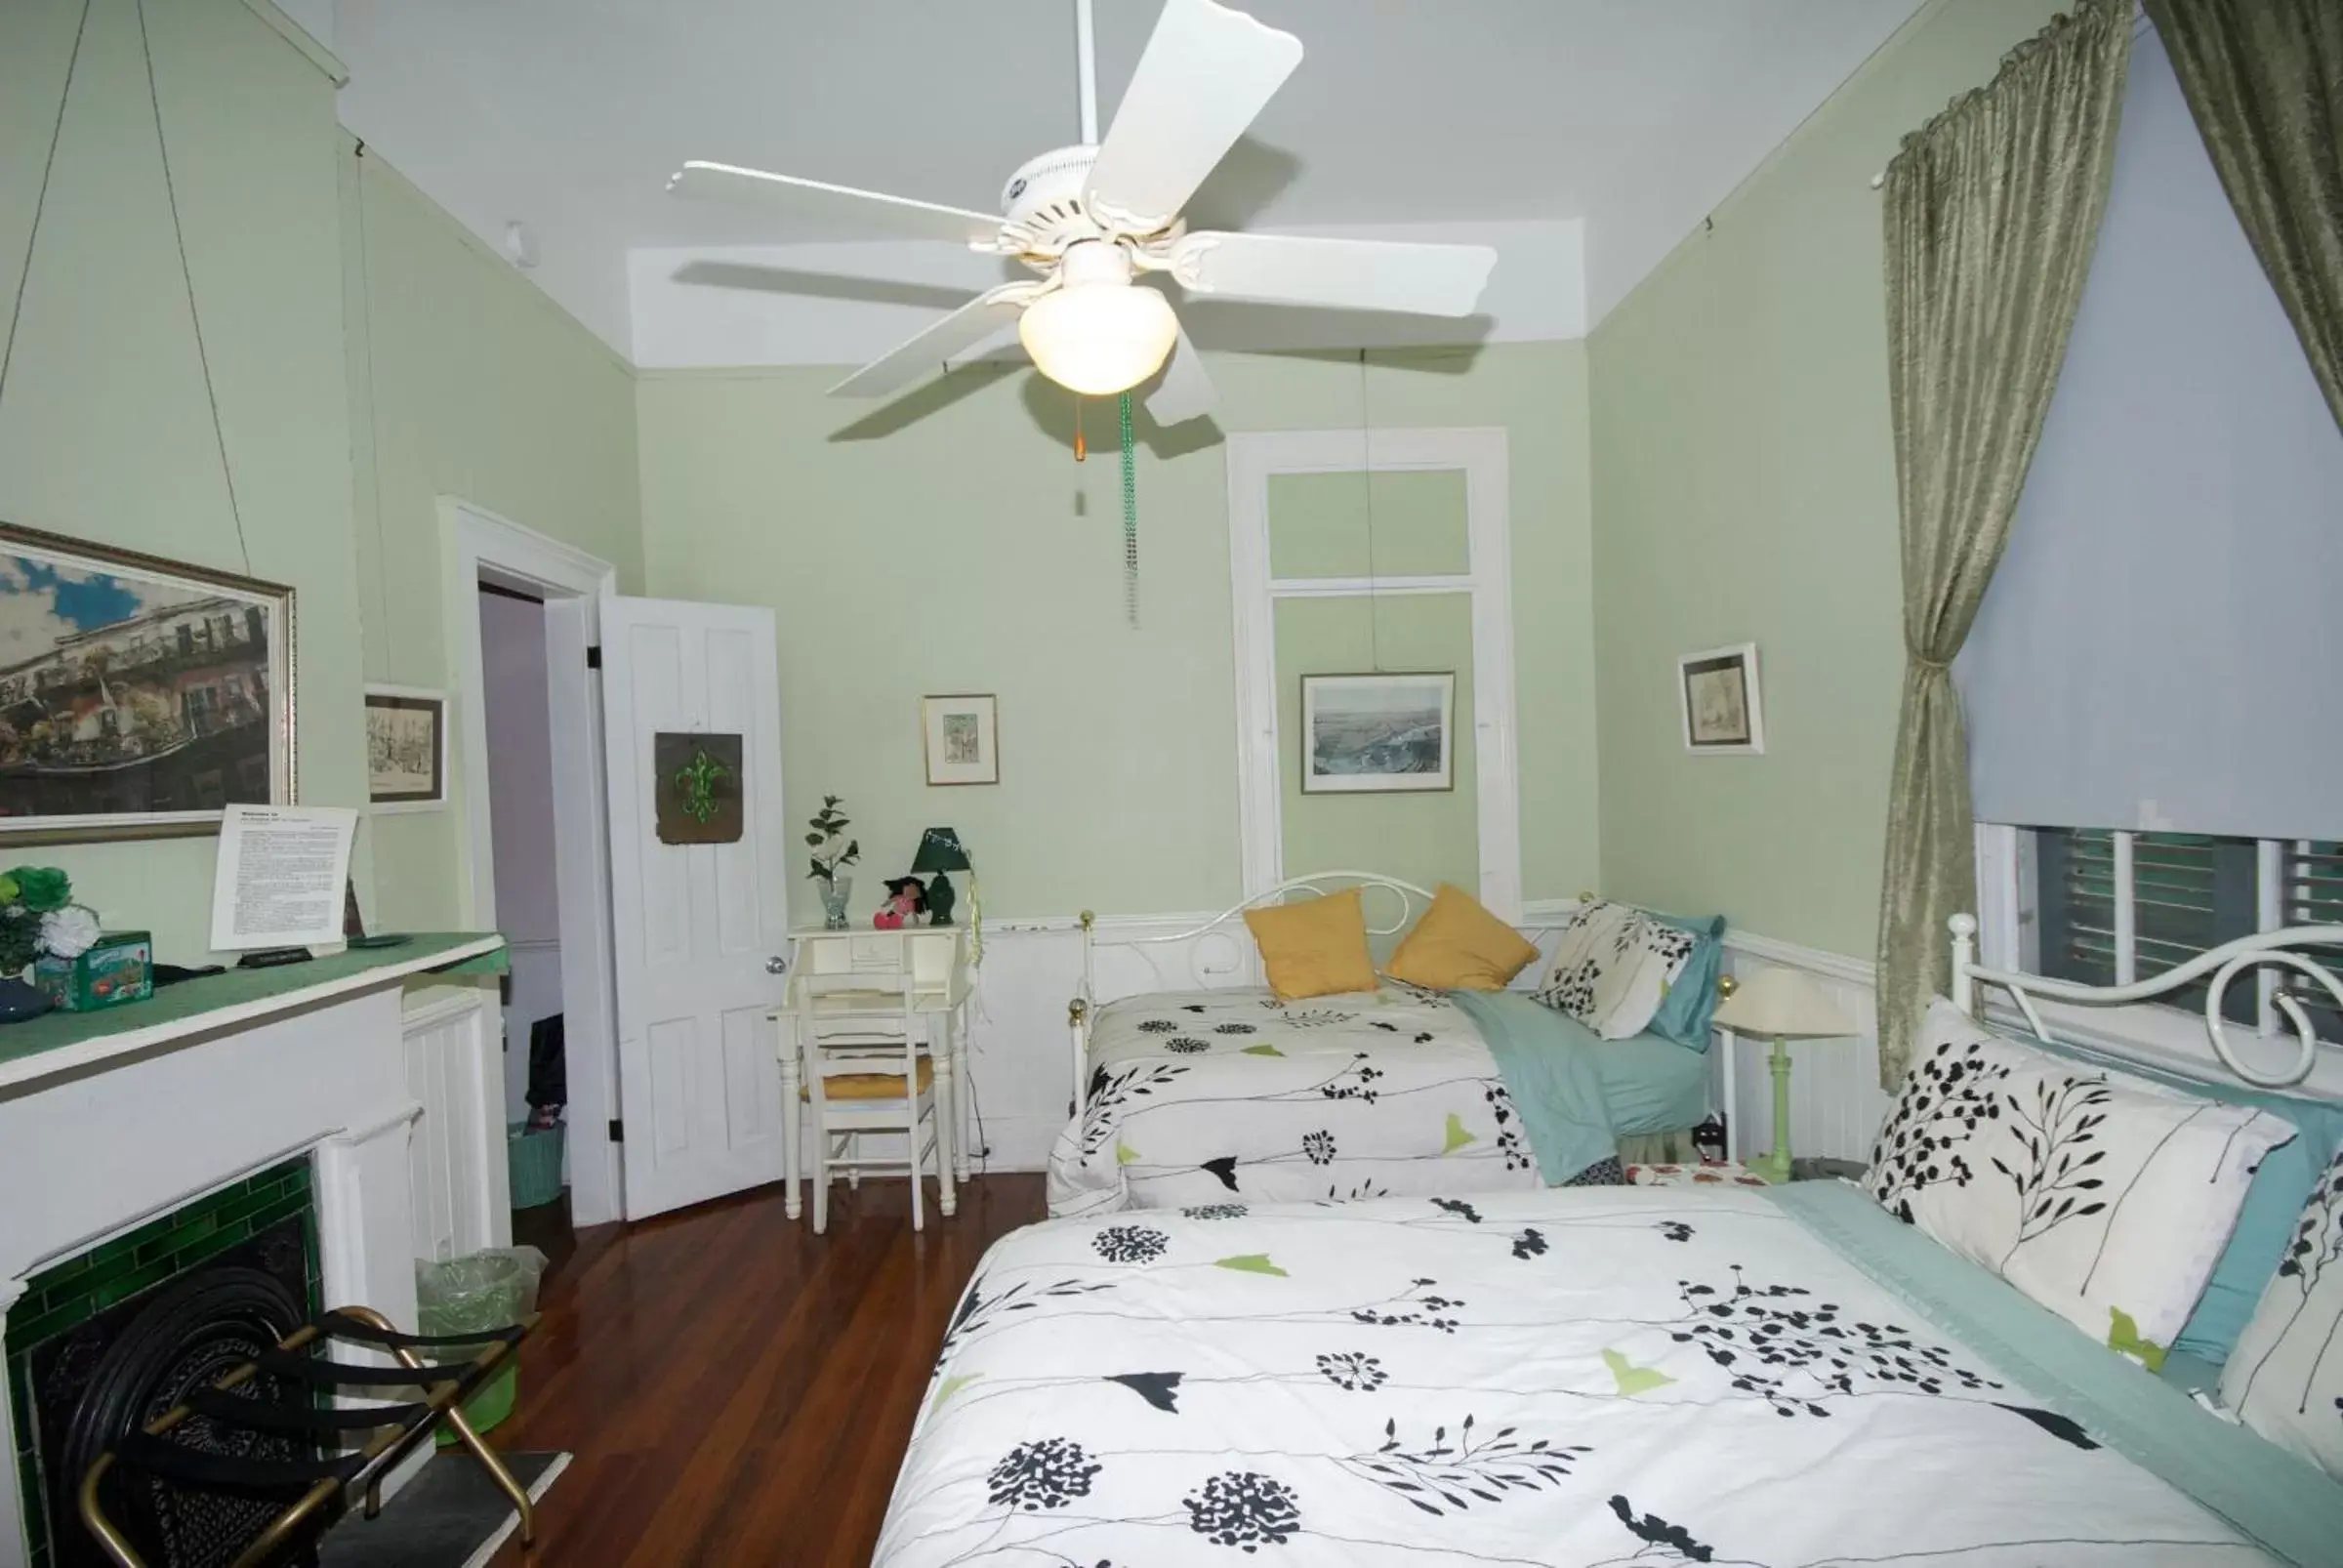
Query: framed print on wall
pixel 1378 734
pixel 406 749
pixel 961 736
pixel 1717 696
pixel 137 696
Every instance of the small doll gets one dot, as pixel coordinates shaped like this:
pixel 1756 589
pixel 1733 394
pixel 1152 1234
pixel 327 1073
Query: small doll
pixel 906 902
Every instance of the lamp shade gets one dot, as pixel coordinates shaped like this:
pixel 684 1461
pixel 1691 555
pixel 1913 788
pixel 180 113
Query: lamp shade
pixel 940 850
pixel 1098 338
pixel 1784 1001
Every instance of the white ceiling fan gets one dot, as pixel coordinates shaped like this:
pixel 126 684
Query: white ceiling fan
pixel 1089 218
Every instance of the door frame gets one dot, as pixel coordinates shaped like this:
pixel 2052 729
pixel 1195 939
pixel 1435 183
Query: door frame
pixel 1480 452
pixel 481 546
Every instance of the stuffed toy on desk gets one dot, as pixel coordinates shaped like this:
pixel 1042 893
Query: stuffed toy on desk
pixel 906 902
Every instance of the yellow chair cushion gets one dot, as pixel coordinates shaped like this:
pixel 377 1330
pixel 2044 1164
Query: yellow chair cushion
pixel 1317 947
pixel 1458 945
pixel 869 1086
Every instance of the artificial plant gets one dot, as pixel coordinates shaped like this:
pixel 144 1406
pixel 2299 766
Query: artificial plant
pixel 827 826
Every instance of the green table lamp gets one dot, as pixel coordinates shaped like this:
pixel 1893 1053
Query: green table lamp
pixel 940 850
pixel 1787 1005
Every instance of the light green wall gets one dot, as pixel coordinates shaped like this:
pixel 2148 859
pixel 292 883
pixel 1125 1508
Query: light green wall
pixel 1428 837
pixel 465 381
pixel 479 387
pixel 1395 524
pixel 957 547
pixel 105 432
pixel 1744 489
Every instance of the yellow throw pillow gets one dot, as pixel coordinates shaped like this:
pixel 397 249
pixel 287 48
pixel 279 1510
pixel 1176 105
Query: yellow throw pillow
pixel 1314 948
pixel 1457 945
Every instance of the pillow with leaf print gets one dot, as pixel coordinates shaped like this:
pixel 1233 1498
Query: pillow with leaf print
pixel 2285 1378
pixel 2105 1198
pixel 1613 967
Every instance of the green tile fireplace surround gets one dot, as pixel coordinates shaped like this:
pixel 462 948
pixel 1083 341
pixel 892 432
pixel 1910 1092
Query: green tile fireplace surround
pixel 252 1119
pixel 70 1293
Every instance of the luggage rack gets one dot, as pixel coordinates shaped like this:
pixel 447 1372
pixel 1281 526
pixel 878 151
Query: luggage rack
pixel 318 1492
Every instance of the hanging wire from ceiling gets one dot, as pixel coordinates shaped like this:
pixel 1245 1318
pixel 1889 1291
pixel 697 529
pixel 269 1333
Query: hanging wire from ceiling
pixel 187 273
pixel 40 198
pixel 374 415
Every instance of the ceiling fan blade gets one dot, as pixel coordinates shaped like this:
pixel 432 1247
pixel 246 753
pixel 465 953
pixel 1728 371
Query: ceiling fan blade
pixel 1186 391
pixel 838 204
pixel 1351 274
pixel 933 352
pixel 1206 73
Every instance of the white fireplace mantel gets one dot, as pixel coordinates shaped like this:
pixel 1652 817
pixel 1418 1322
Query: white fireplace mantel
pixel 102 1133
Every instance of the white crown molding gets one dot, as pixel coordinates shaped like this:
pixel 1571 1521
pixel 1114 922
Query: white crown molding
pixel 293 32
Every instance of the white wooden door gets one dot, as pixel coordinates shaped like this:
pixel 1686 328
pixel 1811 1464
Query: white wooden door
pixel 695 926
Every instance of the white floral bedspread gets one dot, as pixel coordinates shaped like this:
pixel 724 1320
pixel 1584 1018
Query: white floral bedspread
pixel 1571 1376
pixel 1201 1095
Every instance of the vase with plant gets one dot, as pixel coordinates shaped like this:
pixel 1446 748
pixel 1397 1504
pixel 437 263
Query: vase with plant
pixel 37 916
pixel 826 829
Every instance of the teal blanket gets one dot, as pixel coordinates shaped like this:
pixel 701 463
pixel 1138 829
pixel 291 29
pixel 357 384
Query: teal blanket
pixel 2288 1504
pixel 1579 1093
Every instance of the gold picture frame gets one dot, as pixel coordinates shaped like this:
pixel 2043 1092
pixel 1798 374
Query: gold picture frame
pixel 139 696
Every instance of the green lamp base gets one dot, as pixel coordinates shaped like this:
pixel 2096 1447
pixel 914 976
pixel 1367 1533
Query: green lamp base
pixel 1774 1165
pixel 940 899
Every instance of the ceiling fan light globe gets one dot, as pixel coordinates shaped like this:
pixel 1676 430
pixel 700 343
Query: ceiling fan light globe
pixel 1099 339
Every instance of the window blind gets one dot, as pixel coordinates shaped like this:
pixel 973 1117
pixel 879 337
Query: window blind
pixel 2188 892
pixel 2157 646
pixel 2314 897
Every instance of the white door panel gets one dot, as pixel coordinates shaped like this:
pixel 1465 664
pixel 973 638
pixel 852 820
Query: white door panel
pixel 700 1089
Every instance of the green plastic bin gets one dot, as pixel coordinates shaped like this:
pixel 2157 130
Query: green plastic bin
pixel 471 1295
pixel 535 1162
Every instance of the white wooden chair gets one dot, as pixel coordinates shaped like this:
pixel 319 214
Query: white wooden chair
pixel 866 1067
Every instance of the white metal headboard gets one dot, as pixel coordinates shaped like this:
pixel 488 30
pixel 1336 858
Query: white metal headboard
pixel 2279 948
pixel 1386 916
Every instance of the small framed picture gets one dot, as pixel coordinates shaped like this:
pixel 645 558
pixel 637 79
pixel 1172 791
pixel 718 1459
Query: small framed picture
pixel 962 738
pixel 1378 734
pixel 406 749
pixel 1724 716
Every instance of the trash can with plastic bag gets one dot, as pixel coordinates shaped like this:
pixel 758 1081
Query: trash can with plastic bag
pixel 473 1294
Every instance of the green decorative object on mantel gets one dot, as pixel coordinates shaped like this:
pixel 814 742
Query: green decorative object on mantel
pixel 40 922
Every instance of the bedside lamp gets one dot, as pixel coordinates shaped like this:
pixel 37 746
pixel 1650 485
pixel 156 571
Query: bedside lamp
pixel 1786 1003
pixel 940 850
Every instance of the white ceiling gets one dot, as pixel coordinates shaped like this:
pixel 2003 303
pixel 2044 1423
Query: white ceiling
pixel 1636 116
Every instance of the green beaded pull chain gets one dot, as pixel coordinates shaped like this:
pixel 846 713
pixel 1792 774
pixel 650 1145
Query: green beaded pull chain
pixel 1131 523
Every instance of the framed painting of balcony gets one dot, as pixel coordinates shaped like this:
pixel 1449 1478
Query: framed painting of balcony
pixel 137 696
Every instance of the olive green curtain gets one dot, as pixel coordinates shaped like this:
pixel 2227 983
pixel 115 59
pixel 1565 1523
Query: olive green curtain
pixel 1992 212
pixel 2264 81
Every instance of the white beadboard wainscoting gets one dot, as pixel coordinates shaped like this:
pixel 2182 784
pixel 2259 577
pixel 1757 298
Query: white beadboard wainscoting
pixel 459 1186
pixel 1019 1053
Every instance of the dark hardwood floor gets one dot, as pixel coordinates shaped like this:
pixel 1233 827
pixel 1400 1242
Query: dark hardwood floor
pixel 736 1390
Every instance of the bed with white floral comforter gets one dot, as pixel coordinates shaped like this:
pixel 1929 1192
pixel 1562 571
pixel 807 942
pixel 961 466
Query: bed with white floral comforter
pixel 1203 1096
pixel 1574 1376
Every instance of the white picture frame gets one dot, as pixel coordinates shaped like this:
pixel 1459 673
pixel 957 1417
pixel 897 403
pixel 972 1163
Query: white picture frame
pixel 1720 703
pixel 1378 734
pixel 407 741
pixel 959 738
